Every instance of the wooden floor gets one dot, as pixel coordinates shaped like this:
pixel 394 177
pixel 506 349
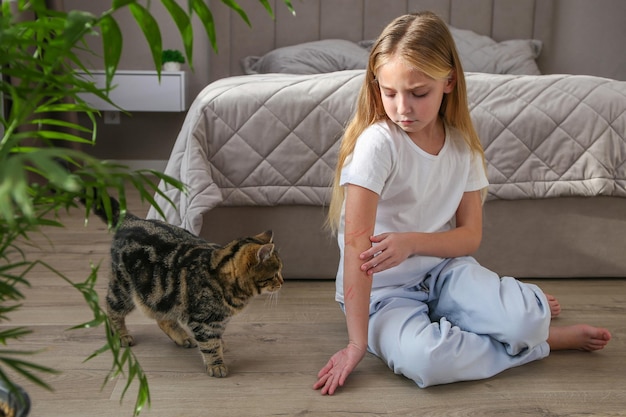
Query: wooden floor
pixel 276 347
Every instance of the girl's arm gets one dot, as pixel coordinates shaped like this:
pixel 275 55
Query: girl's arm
pixel 357 285
pixel 360 216
pixel 393 248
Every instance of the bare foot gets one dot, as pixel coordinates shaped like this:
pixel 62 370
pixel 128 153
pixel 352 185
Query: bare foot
pixel 578 336
pixel 555 306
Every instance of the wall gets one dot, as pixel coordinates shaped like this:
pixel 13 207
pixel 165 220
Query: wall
pixel 589 34
pixel 356 20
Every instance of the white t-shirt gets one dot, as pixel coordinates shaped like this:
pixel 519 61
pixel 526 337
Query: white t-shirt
pixel 418 192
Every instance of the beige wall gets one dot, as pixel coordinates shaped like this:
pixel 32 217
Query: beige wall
pixel 588 36
pixel 582 36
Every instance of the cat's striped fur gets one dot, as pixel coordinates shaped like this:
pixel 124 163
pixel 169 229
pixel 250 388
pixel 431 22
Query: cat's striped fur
pixel 185 282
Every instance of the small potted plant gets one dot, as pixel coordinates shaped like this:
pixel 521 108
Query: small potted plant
pixel 172 59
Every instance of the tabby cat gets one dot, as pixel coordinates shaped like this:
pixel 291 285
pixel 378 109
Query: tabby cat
pixel 183 281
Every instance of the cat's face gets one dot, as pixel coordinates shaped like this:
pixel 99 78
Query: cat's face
pixel 266 265
pixel 270 278
pixel 268 273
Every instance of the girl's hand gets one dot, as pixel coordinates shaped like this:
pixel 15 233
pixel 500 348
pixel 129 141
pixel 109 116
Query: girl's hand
pixel 389 250
pixel 340 365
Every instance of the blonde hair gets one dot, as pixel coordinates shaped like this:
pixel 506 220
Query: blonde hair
pixel 424 42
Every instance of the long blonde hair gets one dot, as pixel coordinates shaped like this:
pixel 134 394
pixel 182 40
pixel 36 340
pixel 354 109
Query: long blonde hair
pixel 423 41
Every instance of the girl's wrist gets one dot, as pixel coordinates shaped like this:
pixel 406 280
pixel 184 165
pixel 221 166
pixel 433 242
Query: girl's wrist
pixel 415 243
pixel 360 347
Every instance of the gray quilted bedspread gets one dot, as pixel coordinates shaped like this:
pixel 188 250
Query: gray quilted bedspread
pixel 272 139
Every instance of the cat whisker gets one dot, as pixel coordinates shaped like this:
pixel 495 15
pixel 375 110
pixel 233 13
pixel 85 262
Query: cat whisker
pixel 269 300
pixel 272 299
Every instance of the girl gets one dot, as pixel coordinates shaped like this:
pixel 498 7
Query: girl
pixel 407 206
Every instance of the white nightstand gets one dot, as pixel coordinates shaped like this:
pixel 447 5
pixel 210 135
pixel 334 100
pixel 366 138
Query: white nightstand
pixel 138 90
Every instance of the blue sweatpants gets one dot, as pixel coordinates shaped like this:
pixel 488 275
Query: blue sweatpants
pixel 461 322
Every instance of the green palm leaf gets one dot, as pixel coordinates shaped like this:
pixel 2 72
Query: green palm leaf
pixel 183 23
pixel 111 45
pixel 151 31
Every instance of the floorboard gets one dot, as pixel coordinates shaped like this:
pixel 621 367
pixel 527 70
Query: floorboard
pixel 277 345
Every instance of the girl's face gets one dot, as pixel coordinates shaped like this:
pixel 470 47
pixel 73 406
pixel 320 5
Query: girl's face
pixel 411 99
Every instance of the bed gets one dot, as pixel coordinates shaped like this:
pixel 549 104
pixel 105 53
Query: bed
pixel 258 152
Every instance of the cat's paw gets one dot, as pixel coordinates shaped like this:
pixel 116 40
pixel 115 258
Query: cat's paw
pixel 217 371
pixel 127 340
pixel 187 343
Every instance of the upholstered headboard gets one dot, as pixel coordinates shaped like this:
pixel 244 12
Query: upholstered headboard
pixel 566 45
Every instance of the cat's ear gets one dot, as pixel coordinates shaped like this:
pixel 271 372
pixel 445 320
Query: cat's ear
pixel 266 236
pixel 265 252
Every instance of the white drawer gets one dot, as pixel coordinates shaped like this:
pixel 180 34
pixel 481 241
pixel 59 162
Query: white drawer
pixel 142 91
